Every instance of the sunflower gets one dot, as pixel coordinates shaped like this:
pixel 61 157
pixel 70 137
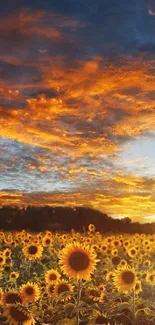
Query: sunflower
pixel 109 276
pixel 33 251
pixel 114 252
pixel 50 289
pixel 95 247
pixel 147 263
pixel 138 287
pixel 2 260
pixel 104 248
pixel 14 275
pixel 47 241
pixel 30 292
pixel 52 276
pixel 91 227
pixel 78 262
pixel 93 293
pixel 116 242
pixel 17 314
pixel 126 243
pixel 63 287
pixel 125 279
pixel 143 275
pixel 48 233
pixel 132 252
pixel 116 260
pixel 11 297
pixel 150 278
pixel 7 252
pixel 123 262
pixel 101 287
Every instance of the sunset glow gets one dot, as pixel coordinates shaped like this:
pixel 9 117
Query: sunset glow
pixel 77 107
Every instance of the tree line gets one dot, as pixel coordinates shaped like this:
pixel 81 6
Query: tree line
pixel 66 218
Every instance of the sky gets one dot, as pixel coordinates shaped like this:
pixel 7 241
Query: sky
pixel 77 105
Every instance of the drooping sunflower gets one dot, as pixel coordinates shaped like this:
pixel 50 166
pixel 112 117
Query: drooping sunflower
pixel 11 297
pixel 125 279
pixel 93 293
pixel 63 287
pixel 115 260
pixel 30 292
pixel 52 276
pixel 78 262
pixel 33 251
pixel 17 314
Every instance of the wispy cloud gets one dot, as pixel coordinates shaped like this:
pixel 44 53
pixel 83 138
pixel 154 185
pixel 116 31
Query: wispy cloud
pixel 68 111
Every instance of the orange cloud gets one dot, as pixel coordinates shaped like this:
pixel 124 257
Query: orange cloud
pixel 94 108
pixel 138 206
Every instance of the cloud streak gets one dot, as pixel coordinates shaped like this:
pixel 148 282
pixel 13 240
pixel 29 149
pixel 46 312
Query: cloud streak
pixel 68 114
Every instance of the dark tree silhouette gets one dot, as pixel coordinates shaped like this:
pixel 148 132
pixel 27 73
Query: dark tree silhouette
pixel 66 218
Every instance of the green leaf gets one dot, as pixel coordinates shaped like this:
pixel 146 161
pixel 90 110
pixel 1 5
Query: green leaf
pixel 124 305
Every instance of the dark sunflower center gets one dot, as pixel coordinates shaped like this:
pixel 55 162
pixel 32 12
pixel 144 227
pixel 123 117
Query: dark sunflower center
pixel 13 275
pixel 152 277
pixel 29 291
pixel 63 288
pixel 48 241
pixel 18 315
pixel 11 298
pixel 33 249
pixel 116 260
pixel 128 277
pixel 116 243
pixel 1 259
pixel 79 261
pixel 92 292
pixel 52 277
pixel 133 251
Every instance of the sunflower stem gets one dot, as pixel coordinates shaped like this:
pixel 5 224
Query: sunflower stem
pixel 133 307
pixel 79 289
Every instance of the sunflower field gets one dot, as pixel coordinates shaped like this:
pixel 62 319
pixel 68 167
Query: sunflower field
pixel 74 278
